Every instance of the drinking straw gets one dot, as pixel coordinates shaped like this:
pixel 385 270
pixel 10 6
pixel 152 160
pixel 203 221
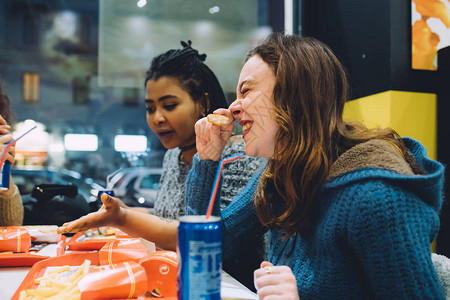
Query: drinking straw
pixel 13 142
pixel 217 180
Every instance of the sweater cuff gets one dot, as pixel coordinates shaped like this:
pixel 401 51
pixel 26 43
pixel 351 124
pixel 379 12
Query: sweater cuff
pixel 11 207
pixel 206 167
pixel 199 183
pixel 11 192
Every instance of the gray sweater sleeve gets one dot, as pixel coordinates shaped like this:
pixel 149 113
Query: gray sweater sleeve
pixel 237 173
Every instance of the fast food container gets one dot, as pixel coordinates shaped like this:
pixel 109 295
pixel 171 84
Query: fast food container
pixel 122 250
pixel 26 245
pixel 161 268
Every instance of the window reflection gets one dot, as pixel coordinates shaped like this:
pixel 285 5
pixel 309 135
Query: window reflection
pixel 79 68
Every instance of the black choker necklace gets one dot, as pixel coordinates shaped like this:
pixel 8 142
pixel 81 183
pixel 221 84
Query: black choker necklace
pixel 184 149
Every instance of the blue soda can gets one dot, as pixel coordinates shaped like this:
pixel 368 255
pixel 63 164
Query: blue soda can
pixel 99 196
pixel 199 257
pixel 4 174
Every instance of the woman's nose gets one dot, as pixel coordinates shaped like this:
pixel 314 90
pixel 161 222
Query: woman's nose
pixel 236 108
pixel 158 117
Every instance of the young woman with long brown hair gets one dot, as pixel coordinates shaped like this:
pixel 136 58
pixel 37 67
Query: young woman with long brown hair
pixel 350 211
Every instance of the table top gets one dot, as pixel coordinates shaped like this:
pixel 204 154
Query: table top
pixel 12 277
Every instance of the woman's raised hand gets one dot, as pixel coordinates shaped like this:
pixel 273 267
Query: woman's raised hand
pixel 210 138
pixel 275 282
pixel 110 214
pixel 5 137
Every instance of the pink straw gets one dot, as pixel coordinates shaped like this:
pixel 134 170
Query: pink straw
pixel 13 142
pixel 217 180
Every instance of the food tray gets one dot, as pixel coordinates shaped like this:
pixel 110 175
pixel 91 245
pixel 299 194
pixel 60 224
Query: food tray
pixel 31 257
pixel 71 259
pixel 87 244
pixel 38 269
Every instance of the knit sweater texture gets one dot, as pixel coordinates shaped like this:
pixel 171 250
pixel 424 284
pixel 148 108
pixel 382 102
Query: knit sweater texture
pixel 374 218
pixel 236 174
pixel 11 208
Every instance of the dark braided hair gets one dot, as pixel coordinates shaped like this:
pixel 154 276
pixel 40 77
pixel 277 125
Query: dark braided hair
pixel 187 66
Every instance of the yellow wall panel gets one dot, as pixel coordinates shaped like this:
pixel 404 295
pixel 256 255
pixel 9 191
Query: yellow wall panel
pixel 409 113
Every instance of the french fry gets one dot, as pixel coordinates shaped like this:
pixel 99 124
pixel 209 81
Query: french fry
pixel 53 286
pixel 62 284
pixel 51 274
pixel 60 270
pixel 43 292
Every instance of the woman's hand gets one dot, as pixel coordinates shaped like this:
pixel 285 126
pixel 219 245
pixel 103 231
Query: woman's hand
pixel 110 214
pixel 5 137
pixel 210 138
pixel 275 282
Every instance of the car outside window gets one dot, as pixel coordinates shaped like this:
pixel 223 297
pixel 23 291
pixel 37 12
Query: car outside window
pixel 150 181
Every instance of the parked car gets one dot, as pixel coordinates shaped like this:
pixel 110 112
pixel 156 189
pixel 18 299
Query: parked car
pixel 137 186
pixel 26 178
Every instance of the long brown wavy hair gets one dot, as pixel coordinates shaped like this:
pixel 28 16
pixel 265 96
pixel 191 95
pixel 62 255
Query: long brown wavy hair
pixel 310 91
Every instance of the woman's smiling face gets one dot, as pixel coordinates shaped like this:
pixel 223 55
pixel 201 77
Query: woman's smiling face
pixel 171 112
pixel 254 107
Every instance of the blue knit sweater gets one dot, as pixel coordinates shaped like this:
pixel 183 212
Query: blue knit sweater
pixel 375 218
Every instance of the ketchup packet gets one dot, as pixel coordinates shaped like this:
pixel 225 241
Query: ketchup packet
pixel 15 239
pixel 122 280
pixel 122 250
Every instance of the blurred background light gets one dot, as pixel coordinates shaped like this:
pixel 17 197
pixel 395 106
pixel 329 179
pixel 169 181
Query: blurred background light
pixel 130 143
pixel 141 3
pixel 80 142
pixel 214 9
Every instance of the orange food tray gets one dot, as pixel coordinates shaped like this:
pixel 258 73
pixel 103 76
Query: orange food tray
pixel 28 259
pixel 71 259
pixel 38 269
pixel 88 244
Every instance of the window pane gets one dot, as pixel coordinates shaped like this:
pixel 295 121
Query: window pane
pixel 224 30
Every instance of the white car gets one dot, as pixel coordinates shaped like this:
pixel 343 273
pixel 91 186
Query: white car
pixel 136 186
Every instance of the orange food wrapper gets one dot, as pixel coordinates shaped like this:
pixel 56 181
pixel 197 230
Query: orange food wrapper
pixel 90 239
pixel 15 239
pixel 161 268
pixel 122 235
pixel 121 250
pixel 122 280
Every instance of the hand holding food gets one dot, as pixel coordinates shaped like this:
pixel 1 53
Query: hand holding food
pixel 212 133
pixel 110 214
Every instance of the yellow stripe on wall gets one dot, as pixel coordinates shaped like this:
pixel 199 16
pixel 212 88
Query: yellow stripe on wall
pixel 409 113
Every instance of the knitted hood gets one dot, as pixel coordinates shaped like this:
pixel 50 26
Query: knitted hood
pixel 377 159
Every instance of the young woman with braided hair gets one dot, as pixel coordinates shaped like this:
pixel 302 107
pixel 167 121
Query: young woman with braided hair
pixel 180 89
